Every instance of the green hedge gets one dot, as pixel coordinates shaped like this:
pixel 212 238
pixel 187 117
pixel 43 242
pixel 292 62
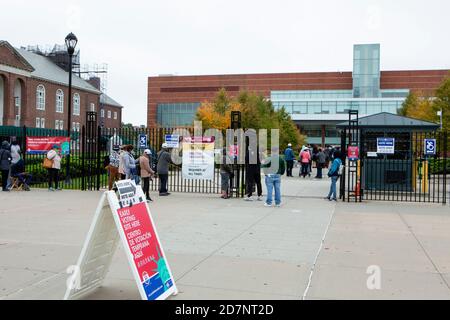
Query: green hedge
pixel 437 166
pixel 40 174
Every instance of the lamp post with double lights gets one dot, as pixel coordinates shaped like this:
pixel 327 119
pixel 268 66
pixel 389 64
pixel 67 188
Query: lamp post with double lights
pixel 71 42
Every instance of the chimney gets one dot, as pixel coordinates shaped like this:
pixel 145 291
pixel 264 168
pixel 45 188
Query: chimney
pixel 95 81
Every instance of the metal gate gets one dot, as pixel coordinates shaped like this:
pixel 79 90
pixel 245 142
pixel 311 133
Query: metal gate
pixel 416 171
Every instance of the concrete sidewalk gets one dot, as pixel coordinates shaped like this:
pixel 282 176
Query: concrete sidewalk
pixel 221 249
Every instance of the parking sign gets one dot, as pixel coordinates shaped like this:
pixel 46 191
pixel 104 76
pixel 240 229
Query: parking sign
pixel 142 141
pixel 430 147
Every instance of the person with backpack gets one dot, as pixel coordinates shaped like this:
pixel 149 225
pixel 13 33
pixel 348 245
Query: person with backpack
pixel 5 164
pixel 146 172
pixel 334 174
pixel 53 171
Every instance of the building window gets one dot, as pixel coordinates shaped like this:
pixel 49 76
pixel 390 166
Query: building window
pixel 59 101
pixel 102 113
pixel 115 115
pixel 59 124
pixel 92 107
pixel 176 114
pixel 78 126
pixel 109 114
pixel 76 104
pixel 40 97
pixel 42 123
pixel 38 122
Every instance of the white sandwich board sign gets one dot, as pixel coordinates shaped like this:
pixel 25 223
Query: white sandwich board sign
pixel 126 219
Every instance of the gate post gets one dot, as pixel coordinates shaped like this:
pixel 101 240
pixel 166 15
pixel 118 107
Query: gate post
pixel 83 156
pixel 445 133
pixel 99 169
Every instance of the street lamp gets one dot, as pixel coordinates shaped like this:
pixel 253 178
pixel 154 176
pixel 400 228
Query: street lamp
pixel 439 113
pixel 71 42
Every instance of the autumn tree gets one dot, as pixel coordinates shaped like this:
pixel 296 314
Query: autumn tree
pixel 257 113
pixel 426 108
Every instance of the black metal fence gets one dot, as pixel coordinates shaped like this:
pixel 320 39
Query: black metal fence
pixel 91 147
pixel 412 173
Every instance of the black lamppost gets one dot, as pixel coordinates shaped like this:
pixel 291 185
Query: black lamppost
pixel 71 43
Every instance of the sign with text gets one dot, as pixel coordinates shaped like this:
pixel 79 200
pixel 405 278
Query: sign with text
pixel 430 147
pixel 148 260
pixel 42 145
pixel 198 158
pixel 142 141
pixel 173 141
pixel 385 145
pixel 132 226
pixel 353 153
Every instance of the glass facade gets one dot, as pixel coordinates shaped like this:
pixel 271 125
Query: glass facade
pixel 337 102
pixel 366 71
pixel 176 114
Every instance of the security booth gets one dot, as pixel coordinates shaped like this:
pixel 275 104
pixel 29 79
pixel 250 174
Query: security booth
pixel 399 158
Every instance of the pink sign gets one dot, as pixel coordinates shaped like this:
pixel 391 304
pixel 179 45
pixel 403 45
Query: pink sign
pixel 146 250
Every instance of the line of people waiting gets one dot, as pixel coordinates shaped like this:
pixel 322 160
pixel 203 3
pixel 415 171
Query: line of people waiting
pixel 122 164
pixel 253 167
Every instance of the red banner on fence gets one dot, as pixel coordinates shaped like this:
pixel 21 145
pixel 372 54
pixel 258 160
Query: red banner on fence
pixel 42 145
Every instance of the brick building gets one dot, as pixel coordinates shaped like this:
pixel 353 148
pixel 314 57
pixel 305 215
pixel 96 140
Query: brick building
pixel 316 101
pixel 34 93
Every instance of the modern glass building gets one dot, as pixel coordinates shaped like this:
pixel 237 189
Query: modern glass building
pixel 317 101
pixel 318 111
pixel 177 114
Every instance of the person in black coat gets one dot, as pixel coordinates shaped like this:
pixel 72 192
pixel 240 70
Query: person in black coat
pixel 5 164
pixel 252 173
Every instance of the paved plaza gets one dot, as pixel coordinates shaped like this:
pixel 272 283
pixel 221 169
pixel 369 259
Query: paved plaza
pixel 217 249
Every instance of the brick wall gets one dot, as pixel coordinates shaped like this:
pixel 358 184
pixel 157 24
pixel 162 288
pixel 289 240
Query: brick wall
pixel 172 89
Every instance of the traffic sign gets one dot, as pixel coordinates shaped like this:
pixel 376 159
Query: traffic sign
pixel 430 147
pixel 142 141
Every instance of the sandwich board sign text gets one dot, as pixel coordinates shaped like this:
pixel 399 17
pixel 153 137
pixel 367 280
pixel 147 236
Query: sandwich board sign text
pixel 386 145
pixel 126 219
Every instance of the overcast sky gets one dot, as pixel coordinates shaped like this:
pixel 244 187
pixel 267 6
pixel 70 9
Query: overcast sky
pixel 138 39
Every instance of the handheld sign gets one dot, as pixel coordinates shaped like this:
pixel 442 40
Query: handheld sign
pixel 126 219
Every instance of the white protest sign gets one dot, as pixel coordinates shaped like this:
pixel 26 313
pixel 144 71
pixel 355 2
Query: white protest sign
pixel 128 220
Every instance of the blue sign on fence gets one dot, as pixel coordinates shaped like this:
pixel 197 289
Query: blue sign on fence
pixel 385 145
pixel 430 147
pixel 142 141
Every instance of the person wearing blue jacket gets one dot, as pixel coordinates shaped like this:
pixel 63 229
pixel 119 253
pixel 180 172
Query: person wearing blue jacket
pixel 289 157
pixel 333 173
